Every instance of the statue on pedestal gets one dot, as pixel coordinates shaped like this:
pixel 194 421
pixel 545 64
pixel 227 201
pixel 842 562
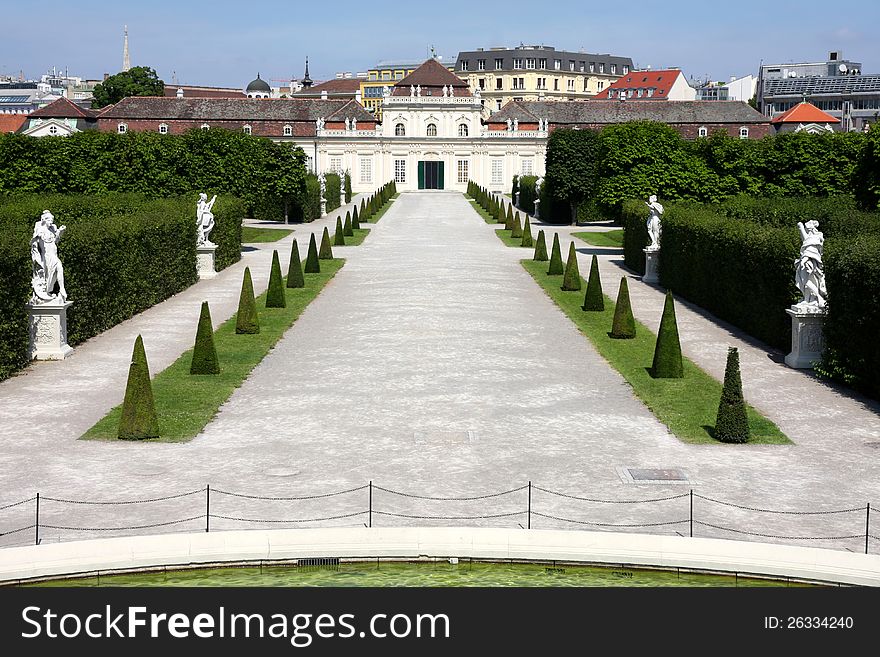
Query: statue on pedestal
pixel 47 268
pixel 654 227
pixel 810 272
pixel 204 219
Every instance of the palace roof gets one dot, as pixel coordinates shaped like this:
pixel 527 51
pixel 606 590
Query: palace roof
pixel 431 76
pixel 580 112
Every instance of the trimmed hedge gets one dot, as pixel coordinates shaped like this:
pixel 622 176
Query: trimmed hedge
pixel 332 190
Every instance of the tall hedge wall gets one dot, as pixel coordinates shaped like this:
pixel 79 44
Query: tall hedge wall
pixel 122 253
pixel 634 217
pixel 333 184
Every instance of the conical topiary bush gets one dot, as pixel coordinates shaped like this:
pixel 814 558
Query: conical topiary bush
pixel 339 235
pixel 364 215
pixel 624 324
pixel 508 220
pixel 246 319
pixel 275 296
pixel 204 359
pixel 138 420
pixel 527 233
pixel 325 252
pixel 594 299
pixel 347 229
pixel 667 353
pixel 540 248
pixel 294 268
pixel 555 258
pixel 313 265
pixel 355 220
pixel 517 231
pixel 732 422
pixel 572 279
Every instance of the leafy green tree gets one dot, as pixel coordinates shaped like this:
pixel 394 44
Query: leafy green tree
pixel 732 422
pixel 573 158
pixel 204 358
pixel 137 81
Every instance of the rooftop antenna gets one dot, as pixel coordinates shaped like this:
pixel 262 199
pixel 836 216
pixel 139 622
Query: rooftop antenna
pixel 433 53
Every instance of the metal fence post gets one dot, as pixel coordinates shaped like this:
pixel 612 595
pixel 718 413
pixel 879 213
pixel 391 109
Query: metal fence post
pixel 208 508
pixel 37 523
pixel 371 502
pixel 530 505
pixel 692 513
pixel 867 525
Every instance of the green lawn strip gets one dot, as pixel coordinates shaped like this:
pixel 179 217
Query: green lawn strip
pixel 186 403
pixel 687 406
pixel 504 235
pixel 480 211
pixel 382 210
pixel 251 235
pixel 609 238
pixel 359 235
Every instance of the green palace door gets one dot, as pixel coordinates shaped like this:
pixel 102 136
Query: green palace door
pixel 430 175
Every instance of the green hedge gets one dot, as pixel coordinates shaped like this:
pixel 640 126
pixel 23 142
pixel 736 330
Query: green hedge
pixel 332 190
pixel 527 193
pixel 122 253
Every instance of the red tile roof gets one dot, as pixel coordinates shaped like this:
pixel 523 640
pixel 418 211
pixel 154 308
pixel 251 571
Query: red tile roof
pixel 12 122
pixel 804 113
pixel 202 92
pixel 62 109
pixel 345 86
pixel 432 75
pixel 660 81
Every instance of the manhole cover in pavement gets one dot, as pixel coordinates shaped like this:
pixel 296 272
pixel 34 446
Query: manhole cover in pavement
pixel 654 475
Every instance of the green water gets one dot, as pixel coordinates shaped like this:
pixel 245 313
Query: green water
pixel 418 574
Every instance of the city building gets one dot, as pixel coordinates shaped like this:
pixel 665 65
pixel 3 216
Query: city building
pixel 258 88
pixel 12 122
pixel 737 89
pixel 339 88
pixel 191 91
pixel 669 84
pixel 805 117
pixel 691 119
pixel 386 74
pixel 60 119
pixel 540 72
pixel 836 86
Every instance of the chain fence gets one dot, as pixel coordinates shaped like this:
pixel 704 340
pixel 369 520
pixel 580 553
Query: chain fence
pixel 206 509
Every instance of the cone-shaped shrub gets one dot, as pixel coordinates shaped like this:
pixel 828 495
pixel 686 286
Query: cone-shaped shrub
pixel 540 248
pixel 204 360
pixel 527 233
pixel 572 279
pixel 339 235
pixel 325 252
pixel 355 220
pixel 624 324
pixel 732 423
pixel 139 419
pixel 347 229
pixel 364 215
pixel 508 220
pixel 247 320
pixel 594 299
pixel 517 228
pixel 667 353
pixel 294 268
pixel 555 258
pixel 313 266
pixel 275 296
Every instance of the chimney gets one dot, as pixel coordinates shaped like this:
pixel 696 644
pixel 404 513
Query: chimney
pixel 180 92
pixel 323 94
pixel 357 95
pixel 106 75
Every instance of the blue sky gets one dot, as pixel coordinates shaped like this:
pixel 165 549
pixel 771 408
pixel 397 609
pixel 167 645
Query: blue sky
pixel 227 43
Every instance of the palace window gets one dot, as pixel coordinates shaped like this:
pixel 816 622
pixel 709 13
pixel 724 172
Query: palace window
pixel 571 84
pixel 517 63
pixel 400 171
pixel 601 67
pixel 386 75
pixel 246 130
pixel 650 92
pixel 570 64
pixel 614 69
pixel 499 64
pixel 625 69
pixel 462 171
pixel 398 75
pixel 288 131
pixel 542 83
pixel 399 130
pixel 499 84
pixel 481 64
pixel 374 75
pixel 366 170
pixel 542 63
pixel 519 83
pixel 592 67
pixel 163 128
pixel 463 130
pixel 640 93
pixel 703 132
pixel 481 83
pixel 582 66
pixel 53 130
pixel 586 83
pixel 497 171
pixel 432 130
pixel 526 167
pixel 530 63
pixel 464 64
pixel 555 84
pixel 336 164
pixel 557 64
pixel 743 133
pixel 122 128
pixel 497 103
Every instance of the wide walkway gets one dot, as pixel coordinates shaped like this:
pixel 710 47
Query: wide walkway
pixel 432 364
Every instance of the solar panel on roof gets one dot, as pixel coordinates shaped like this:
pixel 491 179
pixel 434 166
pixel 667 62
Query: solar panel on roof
pixel 13 99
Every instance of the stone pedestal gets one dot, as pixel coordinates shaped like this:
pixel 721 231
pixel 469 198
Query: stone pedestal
pixel 537 208
pixel 342 197
pixel 652 266
pixel 323 207
pixel 516 199
pixel 205 261
pixel 48 330
pixel 807 339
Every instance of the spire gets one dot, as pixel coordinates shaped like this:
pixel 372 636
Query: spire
pixel 307 81
pixel 126 62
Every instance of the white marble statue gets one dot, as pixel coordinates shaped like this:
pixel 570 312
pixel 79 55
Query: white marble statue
pixel 204 219
pixel 419 90
pixel 323 184
pixel 538 183
pixel 655 228
pixel 451 91
pixel 354 124
pixel 412 91
pixel 47 268
pixel 810 272
pixel 509 125
pixel 515 125
pixel 445 91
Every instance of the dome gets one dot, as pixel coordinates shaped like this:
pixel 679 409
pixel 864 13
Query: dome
pixel 258 86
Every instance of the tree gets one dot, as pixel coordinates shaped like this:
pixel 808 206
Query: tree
pixel 572 279
pixel 346 186
pixel 137 81
pixel 555 268
pixel 204 359
pixel 294 268
pixel 573 167
pixel 623 326
pixel 275 297
pixel 246 319
pixel 540 248
pixel 594 299
pixel 667 352
pixel 732 422
pixel 313 264
pixel 138 420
